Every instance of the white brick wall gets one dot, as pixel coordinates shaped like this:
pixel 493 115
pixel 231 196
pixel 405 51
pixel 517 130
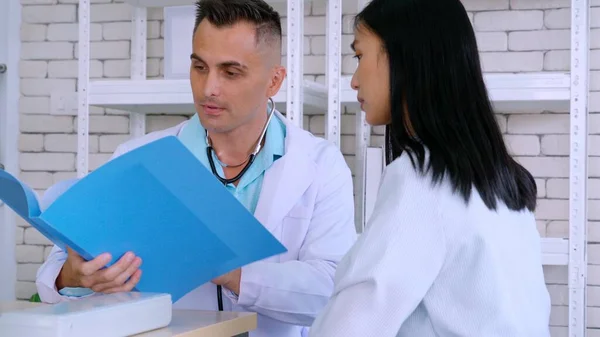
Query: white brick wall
pixel 513 36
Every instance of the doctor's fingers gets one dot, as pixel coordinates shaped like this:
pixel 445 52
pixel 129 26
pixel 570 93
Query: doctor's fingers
pixel 128 286
pixel 87 268
pixel 127 264
pixel 102 283
pixel 93 272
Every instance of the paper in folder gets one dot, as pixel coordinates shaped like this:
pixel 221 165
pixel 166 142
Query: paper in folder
pixel 158 201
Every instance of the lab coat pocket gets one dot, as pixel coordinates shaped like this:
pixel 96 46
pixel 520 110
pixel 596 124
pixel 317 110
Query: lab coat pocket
pixel 294 230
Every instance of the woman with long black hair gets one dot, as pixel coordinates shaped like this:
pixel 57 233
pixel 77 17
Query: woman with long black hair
pixel 452 247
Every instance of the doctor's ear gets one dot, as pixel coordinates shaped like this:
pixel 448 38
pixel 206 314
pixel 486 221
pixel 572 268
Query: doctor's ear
pixel 277 76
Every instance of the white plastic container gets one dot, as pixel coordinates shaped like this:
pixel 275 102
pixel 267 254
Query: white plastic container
pixel 121 314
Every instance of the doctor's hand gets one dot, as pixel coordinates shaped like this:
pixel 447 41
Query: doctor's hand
pixel 230 280
pixel 120 277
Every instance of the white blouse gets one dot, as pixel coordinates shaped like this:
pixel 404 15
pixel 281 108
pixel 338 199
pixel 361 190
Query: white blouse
pixel 431 265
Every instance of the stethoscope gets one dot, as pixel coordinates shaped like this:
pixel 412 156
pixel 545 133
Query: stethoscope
pixel 248 161
pixel 225 181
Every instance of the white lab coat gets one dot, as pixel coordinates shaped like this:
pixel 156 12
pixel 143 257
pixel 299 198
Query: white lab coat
pixel 307 203
pixel 430 265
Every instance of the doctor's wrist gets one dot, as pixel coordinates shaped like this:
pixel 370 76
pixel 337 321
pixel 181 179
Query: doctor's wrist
pixel 234 287
pixel 63 280
pixel 234 284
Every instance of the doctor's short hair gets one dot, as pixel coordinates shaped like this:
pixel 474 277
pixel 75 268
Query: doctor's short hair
pixel 440 102
pixel 224 13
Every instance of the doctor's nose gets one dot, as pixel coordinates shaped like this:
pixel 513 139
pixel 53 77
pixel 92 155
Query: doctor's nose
pixel 212 85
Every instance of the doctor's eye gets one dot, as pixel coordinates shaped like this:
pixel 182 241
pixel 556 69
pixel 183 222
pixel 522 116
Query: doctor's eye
pixel 357 57
pixel 199 65
pixel 231 74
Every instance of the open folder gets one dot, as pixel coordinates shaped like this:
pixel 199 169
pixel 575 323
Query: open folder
pixel 158 201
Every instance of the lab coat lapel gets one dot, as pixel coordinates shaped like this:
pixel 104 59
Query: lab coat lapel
pixel 286 181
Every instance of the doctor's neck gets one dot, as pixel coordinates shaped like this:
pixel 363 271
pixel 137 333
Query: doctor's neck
pixel 234 147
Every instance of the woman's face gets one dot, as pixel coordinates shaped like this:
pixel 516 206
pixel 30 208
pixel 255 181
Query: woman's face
pixel 371 79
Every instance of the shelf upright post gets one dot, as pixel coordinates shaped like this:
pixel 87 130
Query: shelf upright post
pixel 334 72
pixel 580 29
pixel 295 61
pixel 83 82
pixel 363 137
pixel 137 120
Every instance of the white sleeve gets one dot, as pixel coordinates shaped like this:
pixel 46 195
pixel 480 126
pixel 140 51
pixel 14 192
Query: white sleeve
pixel 393 264
pixel 296 291
pixel 48 272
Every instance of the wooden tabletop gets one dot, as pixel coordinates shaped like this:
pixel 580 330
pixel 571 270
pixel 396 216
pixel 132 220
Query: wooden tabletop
pixel 17 305
pixel 184 323
pixel 193 323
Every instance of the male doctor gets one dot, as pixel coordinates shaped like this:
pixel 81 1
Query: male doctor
pixel 298 186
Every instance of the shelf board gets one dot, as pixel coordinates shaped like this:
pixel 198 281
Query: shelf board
pixel 175 96
pixel 555 252
pixel 522 92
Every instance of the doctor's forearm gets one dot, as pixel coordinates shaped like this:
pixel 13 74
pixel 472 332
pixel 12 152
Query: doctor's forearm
pixel 47 275
pixel 293 292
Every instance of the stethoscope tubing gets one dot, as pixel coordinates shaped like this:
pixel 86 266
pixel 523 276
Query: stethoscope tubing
pixel 209 152
pixel 225 181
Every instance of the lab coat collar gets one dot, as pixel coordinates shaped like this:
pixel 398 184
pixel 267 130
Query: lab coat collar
pixel 287 179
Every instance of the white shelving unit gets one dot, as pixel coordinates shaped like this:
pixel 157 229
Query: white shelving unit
pixel 578 198
pixel 141 96
pixel 175 96
pixel 508 92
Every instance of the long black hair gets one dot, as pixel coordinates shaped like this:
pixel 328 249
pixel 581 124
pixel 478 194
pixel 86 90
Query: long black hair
pixel 435 74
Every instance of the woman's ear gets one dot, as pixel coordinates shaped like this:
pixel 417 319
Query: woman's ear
pixel 277 76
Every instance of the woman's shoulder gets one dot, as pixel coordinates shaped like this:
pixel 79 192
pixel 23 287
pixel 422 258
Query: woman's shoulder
pixel 402 165
pixel 403 179
pixel 404 172
pixel 409 204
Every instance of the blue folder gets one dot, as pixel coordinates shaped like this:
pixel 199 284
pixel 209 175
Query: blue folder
pixel 158 201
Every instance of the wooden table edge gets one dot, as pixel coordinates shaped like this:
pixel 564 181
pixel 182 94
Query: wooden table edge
pixel 243 324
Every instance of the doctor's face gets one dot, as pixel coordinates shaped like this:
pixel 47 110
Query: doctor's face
pixel 371 79
pixel 232 75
